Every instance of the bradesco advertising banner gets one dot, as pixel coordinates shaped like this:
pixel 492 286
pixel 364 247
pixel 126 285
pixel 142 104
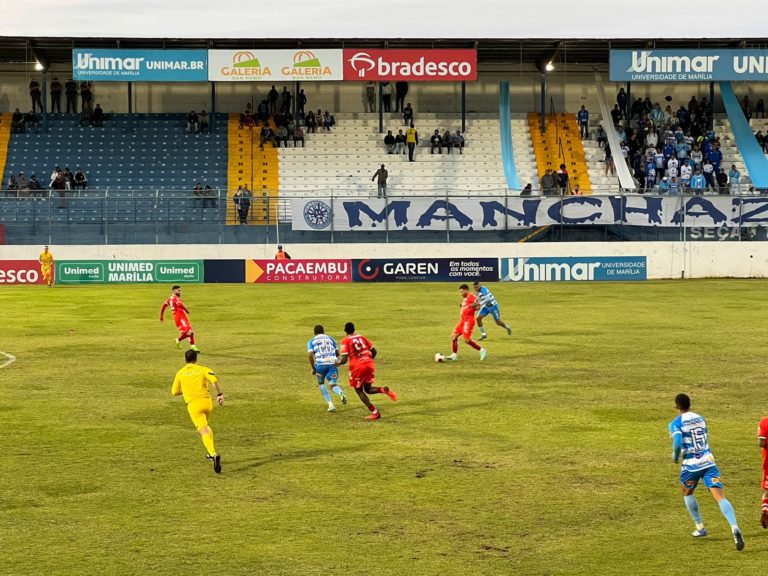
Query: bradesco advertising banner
pixel 574 269
pixel 688 65
pixel 425 65
pixel 298 271
pixel 140 65
pixel 499 213
pixel 128 271
pixel 274 65
pixel 426 270
pixel 20 272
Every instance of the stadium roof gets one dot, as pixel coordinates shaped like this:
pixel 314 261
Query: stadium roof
pixel 526 51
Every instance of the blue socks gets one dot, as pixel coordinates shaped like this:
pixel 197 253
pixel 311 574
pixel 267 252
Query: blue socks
pixel 728 512
pixel 325 393
pixel 337 390
pixel 693 508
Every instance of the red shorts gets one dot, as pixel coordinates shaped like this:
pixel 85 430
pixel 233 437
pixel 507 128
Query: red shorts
pixel 182 323
pixel 465 328
pixel 361 374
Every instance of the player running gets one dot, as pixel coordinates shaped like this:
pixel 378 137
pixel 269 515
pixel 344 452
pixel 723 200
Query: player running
pixel 762 434
pixel 360 352
pixel 46 265
pixel 180 318
pixel 487 304
pixel 690 441
pixel 192 381
pixel 323 353
pixel 466 325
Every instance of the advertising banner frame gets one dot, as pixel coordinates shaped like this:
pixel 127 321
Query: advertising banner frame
pixel 574 269
pixel 410 65
pixel 255 65
pixel 689 65
pixel 139 65
pixel 136 271
pixel 482 269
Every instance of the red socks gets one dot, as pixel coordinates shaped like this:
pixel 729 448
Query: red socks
pixel 192 339
pixel 474 344
pixel 183 337
pixel 372 410
pixel 455 346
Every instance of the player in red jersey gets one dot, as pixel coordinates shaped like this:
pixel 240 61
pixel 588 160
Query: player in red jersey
pixel 360 352
pixel 466 325
pixel 762 435
pixel 180 318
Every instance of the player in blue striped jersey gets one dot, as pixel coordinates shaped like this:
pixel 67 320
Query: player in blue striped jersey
pixel 691 443
pixel 323 352
pixel 486 305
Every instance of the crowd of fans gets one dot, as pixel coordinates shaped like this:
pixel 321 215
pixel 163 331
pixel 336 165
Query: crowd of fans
pixel 93 116
pixel 61 181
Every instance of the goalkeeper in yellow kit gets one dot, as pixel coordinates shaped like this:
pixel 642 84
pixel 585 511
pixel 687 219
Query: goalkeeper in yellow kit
pixel 192 381
pixel 46 265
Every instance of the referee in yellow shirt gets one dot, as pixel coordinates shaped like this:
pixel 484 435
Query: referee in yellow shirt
pixel 46 265
pixel 192 381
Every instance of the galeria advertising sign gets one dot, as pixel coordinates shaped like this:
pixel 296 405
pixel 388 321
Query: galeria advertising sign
pixel 128 271
pixel 499 213
pixel 575 269
pixel 275 65
pixel 20 272
pixel 426 270
pixel 140 65
pixel 297 271
pixel 688 65
pixel 426 65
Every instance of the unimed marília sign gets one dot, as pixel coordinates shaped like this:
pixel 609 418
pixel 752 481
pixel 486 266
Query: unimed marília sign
pixel 128 271
pixel 410 65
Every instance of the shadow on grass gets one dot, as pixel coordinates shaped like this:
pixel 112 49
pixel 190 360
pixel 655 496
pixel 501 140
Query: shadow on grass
pixel 251 463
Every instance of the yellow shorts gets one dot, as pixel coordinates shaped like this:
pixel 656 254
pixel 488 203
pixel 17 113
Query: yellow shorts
pixel 46 271
pixel 200 411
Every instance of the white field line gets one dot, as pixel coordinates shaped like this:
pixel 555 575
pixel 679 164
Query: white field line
pixel 10 359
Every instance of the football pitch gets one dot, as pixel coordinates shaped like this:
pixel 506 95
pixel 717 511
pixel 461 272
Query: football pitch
pixel 552 457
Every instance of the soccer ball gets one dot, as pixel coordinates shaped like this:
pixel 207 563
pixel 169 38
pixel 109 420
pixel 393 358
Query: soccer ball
pixel 439 357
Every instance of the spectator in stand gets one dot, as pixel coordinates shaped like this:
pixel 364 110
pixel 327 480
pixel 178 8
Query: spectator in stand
pixel 272 97
pixel 320 119
pixel 447 141
pixel 548 183
pixel 31 121
pixel 56 89
pixel 527 191
pixel 408 114
pixel 436 141
pixel 281 135
pixel 621 102
pixel 698 182
pixel 386 96
pixel 17 122
pixel 301 102
pixel 650 175
pixel 734 181
pixel 262 112
pixel 209 197
pixel 657 115
pixel 54 175
pixel 23 184
pixel 98 116
pixel 674 186
pixel 709 175
pixel 616 115
pixel 203 122
pixel 625 154
pixel 457 141
pixel 760 109
pixel 80 179
pixel 400 142
pixel 298 136
pixel 746 107
pixel 242 201
pixel 636 109
pixel 389 142
pixel 13 186
pixel 716 157
pixel 762 140
pixel 86 116
pixel 35 94
pixel 683 117
pixel 282 254
pixel 696 156
pixel 197 195
pixel 673 166
pixel 70 88
pixel 686 173
pixel 610 167
pixel 412 140
pixel 722 182
pixel 310 122
pixel 266 135
pixel 577 191
pixel 583 119
pixel 192 122
pixel 86 96
pixel 401 91
pixel 69 179
pixel 621 133
pixel 563 181
pixel 328 121
pixel 59 186
pixel 286 99
pixel 369 102
pixel 693 106
pixel 664 185
pixel 601 136
pixel 381 176
pixel 652 137
pixel 34 186
pixel 246 118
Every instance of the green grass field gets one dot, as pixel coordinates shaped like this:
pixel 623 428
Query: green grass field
pixel 552 457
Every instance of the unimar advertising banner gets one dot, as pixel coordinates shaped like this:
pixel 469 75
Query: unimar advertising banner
pixel 275 65
pixel 499 213
pixel 117 65
pixel 20 272
pixel 297 271
pixel 426 270
pixel 575 269
pixel 694 65
pixel 128 271
pixel 410 65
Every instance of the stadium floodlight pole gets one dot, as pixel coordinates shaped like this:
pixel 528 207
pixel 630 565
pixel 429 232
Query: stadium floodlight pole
pixel 543 102
pixel 381 111
pixel 463 106
pixel 711 105
pixel 45 101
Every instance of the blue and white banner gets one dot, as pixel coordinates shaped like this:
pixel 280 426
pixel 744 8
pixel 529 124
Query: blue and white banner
pixel 688 65
pixel 140 65
pixel 499 213
pixel 578 269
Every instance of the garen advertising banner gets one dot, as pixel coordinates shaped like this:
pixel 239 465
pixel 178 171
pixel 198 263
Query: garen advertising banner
pixel 425 65
pixel 20 272
pixel 275 65
pixel 426 270
pixel 688 65
pixel 128 271
pixel 499 213
pixel 578 269
pixel 120 65
pixel 297 271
